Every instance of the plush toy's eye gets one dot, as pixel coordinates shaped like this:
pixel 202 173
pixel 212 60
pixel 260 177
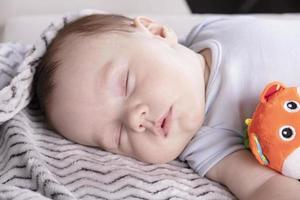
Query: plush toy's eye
pixel 287 133
pixel 291 106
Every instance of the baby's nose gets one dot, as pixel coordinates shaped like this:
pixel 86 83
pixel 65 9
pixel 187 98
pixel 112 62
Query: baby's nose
pixel 135 118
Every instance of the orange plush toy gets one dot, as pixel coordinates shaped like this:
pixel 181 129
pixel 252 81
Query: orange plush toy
pixel 274 130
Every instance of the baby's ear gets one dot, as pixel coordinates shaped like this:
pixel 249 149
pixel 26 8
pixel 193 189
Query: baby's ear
pixel 156 29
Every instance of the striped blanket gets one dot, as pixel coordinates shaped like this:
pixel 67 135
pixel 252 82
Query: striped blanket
pixel 38 163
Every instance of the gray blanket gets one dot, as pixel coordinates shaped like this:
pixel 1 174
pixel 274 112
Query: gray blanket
pixel 38 163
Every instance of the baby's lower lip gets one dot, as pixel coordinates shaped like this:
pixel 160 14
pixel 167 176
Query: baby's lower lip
pixel 168 122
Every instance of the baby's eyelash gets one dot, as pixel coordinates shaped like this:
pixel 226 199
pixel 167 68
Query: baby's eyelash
pixel 119 135
pixel 126 82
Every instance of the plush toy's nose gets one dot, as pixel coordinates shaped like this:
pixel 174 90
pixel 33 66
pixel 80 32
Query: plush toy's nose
pixel 291 165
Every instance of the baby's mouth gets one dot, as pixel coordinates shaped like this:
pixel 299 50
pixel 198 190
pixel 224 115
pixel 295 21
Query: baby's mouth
pixel 164 124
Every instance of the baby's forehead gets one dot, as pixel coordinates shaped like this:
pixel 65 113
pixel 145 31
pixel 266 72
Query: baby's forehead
pixel 77 41
pixel 98 49
pixel 81 45
pixel 80 53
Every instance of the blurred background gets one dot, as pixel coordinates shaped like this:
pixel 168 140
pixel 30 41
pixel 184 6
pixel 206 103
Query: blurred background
pixel 23 20
pixel 244 6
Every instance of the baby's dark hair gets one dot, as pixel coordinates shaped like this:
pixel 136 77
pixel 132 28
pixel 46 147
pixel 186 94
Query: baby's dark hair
pixel 91 25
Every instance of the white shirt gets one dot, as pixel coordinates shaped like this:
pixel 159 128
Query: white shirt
pixel 247 54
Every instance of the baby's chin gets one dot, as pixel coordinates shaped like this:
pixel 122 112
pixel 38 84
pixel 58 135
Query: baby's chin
pixel 158 158
pixel 160 154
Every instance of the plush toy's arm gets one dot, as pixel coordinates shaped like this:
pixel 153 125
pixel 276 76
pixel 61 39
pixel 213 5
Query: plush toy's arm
pixel 257 150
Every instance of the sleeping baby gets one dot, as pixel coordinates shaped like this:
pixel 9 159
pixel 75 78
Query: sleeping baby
pixel 129 87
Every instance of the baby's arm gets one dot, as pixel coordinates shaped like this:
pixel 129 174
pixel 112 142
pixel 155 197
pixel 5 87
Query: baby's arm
pixel 247 179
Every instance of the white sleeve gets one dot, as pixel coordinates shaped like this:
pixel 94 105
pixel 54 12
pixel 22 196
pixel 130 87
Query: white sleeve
pixel 209 146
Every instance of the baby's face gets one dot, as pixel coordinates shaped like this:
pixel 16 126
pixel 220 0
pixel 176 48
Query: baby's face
pixel 111 91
